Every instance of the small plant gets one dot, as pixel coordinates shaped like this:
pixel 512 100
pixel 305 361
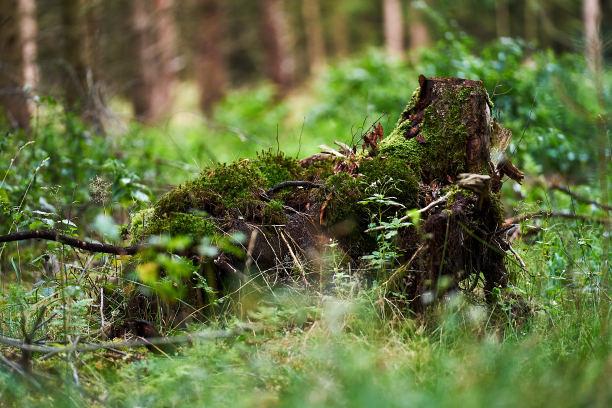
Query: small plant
pixel 379 206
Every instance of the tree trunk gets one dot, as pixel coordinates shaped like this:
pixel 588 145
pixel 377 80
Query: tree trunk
pixel 276 37
pixel 17 59
pixel 591 13
pixel 393 27
pixel 211 71
pixel 290 211
pixel 73 30
pixel 155 40
pixel 531 20
pixel 340 31
pixel 314 34
pixel 141 93
pixel 502 18
pixel 166 58
pixel 419 36
pixel 28 28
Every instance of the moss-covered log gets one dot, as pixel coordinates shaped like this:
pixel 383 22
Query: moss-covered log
pixel 446 130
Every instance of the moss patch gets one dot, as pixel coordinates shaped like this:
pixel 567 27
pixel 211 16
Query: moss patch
pixel 439 147
pixel 383 168
pixel 146 223
pixel 277 167
pixel 341 192
pixel 224 190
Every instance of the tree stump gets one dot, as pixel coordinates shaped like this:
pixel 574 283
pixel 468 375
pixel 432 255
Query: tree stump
pixel 444 157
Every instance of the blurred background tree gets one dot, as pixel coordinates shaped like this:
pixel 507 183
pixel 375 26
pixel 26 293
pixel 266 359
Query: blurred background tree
pixel 91 51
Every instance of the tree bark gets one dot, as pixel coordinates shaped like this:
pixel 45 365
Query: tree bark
pixel 340 31
pixel 531 20
pixel 591 14
pixel 211 71
pixel 276 37
pixel 17 59
pixel 28 28
pixel 502 18
pixel 314 34
pixel 73 30
pixel 419 35
pixel 155 38
pixel 165 84
pixel 393 27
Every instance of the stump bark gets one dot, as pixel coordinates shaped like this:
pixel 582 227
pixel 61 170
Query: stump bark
pixel 445 156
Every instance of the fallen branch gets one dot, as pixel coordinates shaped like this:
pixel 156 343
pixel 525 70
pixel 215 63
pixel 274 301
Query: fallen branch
pixel 53 235
pixel 284 184
pixel 139 342
pixel 580 198
pixel 552 214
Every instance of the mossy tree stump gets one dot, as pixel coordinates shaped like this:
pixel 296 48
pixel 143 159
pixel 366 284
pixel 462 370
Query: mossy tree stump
pixel 446 130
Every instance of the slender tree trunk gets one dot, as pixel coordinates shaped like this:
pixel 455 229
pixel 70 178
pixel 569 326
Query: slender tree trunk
pixel 141 92
pixel 155 38
pixel 28 28
pixel 419 36
pixel 73 30
pixel 277 42
pixel 393 27
pixel 211 71
pixel 340 31
pixel 165 83
pixel 591 13
pixel 502 18
pixel 16 53
pixel 314 34
pixel 531 20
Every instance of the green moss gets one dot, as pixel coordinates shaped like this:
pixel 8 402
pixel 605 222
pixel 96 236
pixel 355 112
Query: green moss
pixel 320 170
pixel 442 152
pixel 277 167
pixel 178 223
pixel 342 192
pixel 145 223
pixel 397 170
pixel 225 188
pixel 497 208
pixel 139 223
pixel 273 211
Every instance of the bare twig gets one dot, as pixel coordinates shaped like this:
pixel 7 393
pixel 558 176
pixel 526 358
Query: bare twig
pixel 295 259
pixel 284 184
pixel 179 339
pixel 580 198
pixel 553 214
pixel 54 235
pixel 517 256
pixel 404 267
